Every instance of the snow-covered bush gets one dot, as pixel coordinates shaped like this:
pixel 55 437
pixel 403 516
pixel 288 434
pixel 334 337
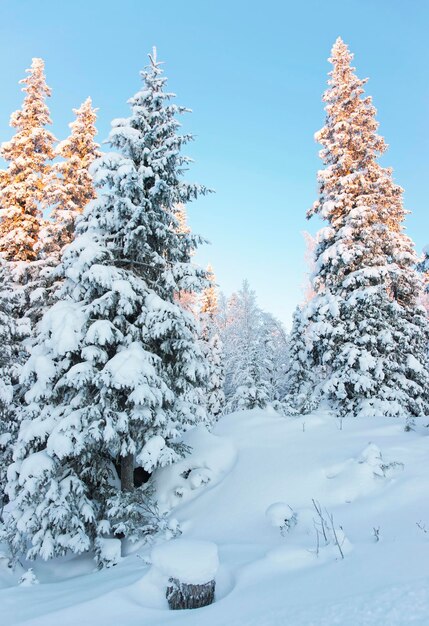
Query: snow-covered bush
pixel 282 516
pixel 28 579
pixel 136 515
pixel 107 551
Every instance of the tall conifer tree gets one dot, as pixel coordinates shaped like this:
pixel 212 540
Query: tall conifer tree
pixel 22 198
pixel 70 186
pixel 116 374
pixel 23 184
pixel 368 330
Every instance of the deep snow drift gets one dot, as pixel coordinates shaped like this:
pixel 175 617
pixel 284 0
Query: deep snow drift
pixel 249 488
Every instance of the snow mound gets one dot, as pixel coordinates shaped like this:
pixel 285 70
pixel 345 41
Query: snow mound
pixel 210 460
pixel 360 476
pixel 278 513
pixel 235 483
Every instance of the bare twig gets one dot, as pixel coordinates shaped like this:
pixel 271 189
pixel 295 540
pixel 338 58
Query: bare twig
pixel 334 531
pixel 322 521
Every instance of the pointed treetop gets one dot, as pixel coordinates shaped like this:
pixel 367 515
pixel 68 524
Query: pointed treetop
pixel 36 75
pixel 87 104
pixel 154 60
pixel 86 111
pixel 340 51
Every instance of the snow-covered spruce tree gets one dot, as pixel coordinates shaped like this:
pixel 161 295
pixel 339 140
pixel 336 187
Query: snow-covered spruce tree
pixel 22 198
pixel 247 362
pixel 275 342
pixel 212 347
pixel 368 331
pixel 300 383
pixel 116 374
pixel 70 185
pixel 22 185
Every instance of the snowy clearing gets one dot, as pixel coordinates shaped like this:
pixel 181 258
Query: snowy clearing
pixel 368 474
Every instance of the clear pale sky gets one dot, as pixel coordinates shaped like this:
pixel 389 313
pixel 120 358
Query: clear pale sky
pixel 253 74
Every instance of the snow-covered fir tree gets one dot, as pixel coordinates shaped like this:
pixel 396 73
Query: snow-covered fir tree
pixel 70 185
pixel 212 347
pixel 22 198
pixel 117 372
pixel 368 331
pixel 301 378
pixel 275 342
pixel 248 363
pixel 23 184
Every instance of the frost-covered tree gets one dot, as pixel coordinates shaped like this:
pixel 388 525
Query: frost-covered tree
pixel 365 309
pixel 212 347
pixel 117 372
pixel 301 378
pixel 22 198
pixel 248 363
pixel 275 343
pixel 70 186
pixel 23 184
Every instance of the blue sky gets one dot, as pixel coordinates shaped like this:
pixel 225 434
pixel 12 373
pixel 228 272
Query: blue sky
pixel 253 74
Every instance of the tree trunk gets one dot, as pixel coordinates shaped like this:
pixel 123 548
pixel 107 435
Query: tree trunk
pixel 184 596
pixel 127 472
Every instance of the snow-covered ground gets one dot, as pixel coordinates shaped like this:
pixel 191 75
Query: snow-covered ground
pixel 370 475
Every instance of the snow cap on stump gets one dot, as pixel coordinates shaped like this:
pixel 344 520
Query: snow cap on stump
pixel 191 562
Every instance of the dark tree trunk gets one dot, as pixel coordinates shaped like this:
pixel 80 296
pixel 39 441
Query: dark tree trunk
pixel 184 596
pixel 127 472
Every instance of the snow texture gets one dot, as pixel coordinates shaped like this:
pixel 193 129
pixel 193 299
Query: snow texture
pixel 255 459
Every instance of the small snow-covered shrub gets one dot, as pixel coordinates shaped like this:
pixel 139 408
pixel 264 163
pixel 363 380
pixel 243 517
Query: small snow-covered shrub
pixel 28 579
pixel 136 515
pixel 372 457
pixel 107 551
pixel 281 516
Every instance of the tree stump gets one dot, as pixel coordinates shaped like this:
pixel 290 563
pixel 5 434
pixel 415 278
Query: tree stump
pixel 189 570
pixel 187 596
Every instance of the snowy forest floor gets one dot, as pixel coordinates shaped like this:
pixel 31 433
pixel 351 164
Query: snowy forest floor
pixel 251 460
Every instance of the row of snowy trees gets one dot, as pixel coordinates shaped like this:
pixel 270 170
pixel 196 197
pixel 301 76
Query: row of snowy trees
pixel 104 366
pixel 115 342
